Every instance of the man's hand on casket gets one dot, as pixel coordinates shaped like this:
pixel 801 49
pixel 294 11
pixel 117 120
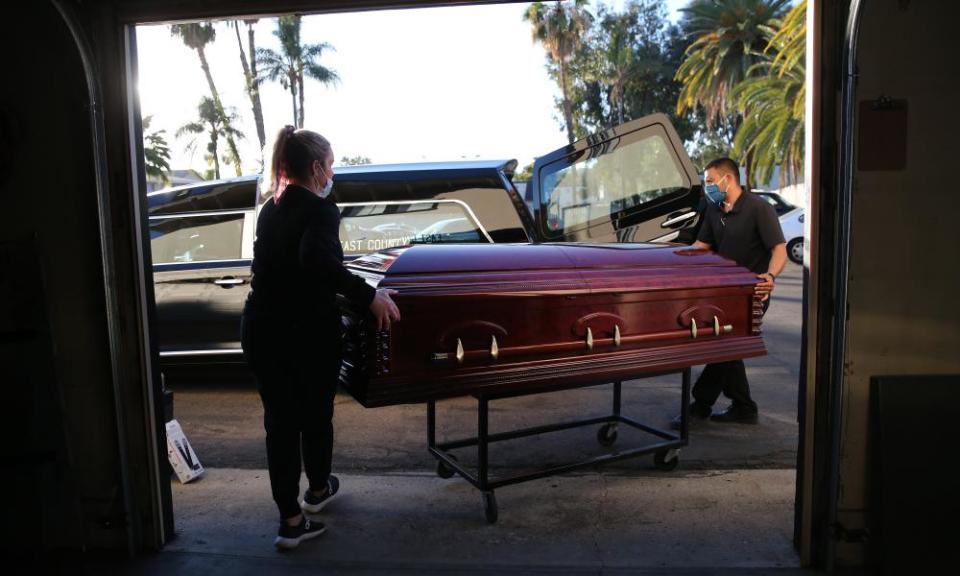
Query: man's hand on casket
pixel 765 287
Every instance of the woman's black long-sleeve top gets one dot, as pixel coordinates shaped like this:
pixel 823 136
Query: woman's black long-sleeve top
pixel 298 264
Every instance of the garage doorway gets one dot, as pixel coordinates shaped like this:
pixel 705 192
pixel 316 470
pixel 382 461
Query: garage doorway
pixel 222 421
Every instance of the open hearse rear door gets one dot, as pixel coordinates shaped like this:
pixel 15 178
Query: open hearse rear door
pixel 630 183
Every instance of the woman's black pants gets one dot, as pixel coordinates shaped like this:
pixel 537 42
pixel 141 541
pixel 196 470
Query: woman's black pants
pixel 297 374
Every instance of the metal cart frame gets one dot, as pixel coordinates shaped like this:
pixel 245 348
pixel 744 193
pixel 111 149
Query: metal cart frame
pixel 666 452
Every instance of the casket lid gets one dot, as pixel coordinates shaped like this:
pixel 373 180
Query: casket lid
pixel 464 258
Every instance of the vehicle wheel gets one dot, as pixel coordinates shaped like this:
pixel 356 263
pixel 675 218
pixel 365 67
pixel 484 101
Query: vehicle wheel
pixel 490 507
pixel 445 471
pixel 661 462
pixel 795 250
pixel 607 434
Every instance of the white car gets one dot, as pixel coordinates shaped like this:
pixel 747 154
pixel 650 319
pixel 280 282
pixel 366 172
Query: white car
pixel 792 225
pixel 791 222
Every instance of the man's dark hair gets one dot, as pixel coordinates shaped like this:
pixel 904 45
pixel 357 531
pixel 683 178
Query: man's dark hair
pixel 725 165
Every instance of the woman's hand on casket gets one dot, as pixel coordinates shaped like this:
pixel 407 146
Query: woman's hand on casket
pixel 383 309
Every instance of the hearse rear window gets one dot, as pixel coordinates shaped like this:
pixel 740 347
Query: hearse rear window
pixel 608 179
pixel 368 227
pixel 196 238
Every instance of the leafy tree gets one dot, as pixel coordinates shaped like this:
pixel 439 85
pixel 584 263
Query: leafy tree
pixel 196 36
pixel 525 174
pixel 560 28
pixel 707 145
pixel 295 60
pixel 624 69
pixel 617 64
pixel 211 122
pixel 156 152
pixel 773 97
pixel 251 77
pixel 354 161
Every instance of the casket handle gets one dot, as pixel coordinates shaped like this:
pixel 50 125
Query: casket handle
pixel 616 335
pixel 460 354
pixel 589 338
pixel 494 349
pixel 718 329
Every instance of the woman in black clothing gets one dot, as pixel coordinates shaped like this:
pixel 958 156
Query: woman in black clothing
pixel 291 328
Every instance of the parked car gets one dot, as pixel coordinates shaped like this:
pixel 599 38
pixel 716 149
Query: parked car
pixel 791 222
pixel 792 225
pixel 631 183
pixel 779 203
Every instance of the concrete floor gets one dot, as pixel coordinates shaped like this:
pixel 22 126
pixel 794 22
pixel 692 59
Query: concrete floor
pixel 593 523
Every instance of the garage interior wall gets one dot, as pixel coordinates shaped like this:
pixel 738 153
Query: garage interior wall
pixel 83 472
pixel 903 276
pixel 55 364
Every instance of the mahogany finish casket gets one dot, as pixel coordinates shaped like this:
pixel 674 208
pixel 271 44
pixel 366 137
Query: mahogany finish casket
pixel 495 318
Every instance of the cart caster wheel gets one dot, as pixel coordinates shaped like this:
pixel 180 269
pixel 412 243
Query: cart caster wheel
pixel 666 460
pixel 443 470
pixel 607 434
pixel 490 507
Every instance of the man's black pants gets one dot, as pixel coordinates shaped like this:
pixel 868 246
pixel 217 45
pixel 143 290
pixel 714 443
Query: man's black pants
pixel 297 377
pixel 729 378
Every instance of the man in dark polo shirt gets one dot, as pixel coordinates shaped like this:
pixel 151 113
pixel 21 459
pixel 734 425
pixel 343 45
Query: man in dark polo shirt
pixel 742 227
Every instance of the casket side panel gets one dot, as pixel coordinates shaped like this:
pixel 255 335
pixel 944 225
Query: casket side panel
pixel 495 332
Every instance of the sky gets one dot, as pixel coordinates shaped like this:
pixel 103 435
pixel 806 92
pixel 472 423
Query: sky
pixel 417 85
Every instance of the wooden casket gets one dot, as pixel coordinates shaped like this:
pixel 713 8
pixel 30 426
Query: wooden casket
pixel 499 318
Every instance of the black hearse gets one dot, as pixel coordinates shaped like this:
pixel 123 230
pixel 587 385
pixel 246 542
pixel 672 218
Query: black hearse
pixel 632 183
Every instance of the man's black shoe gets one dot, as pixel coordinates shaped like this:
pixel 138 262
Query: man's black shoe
pixel 736 414
pixel 698 414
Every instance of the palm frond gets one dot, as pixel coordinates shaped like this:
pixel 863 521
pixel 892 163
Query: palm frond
pixel 322 74
pixel 729 38
pixel 270 65
pixel 190 128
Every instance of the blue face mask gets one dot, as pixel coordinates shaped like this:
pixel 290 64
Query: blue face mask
pixel 713 192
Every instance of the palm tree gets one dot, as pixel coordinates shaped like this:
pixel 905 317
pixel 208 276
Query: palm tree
pixel 561 29
pixel 293 62
pixel 772 132
pixel 274 67
pixel 212 122
pixel 730 39
pixel 252 79
pixel 196 36
pixel 156 152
